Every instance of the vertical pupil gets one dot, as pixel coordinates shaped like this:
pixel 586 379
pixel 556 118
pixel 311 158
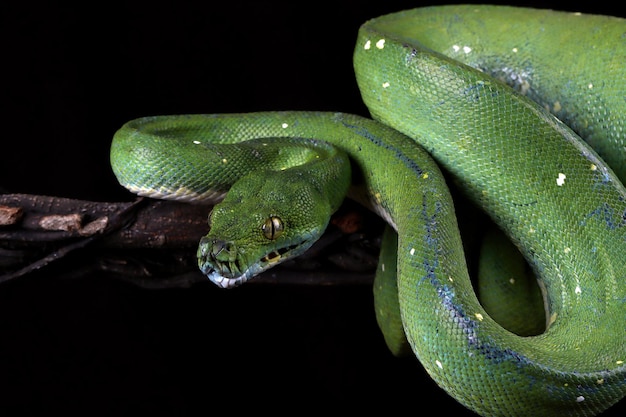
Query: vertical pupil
pixel 273 227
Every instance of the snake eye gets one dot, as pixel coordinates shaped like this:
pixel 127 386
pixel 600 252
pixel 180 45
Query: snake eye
pixel 273 227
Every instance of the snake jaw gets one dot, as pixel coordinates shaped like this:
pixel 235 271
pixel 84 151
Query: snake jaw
pixel 224 264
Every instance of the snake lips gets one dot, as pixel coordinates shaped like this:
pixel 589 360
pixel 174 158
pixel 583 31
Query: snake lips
pixel 228 267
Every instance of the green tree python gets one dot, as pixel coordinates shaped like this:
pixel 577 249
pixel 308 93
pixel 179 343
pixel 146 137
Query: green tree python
pixel 494 96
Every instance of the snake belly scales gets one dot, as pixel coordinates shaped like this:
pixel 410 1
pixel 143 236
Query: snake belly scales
pixel 494 95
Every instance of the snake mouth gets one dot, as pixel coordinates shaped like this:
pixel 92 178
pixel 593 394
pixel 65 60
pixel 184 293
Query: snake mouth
pixel 233 273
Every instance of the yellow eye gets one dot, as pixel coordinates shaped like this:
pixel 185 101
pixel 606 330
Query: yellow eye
pixel 273 227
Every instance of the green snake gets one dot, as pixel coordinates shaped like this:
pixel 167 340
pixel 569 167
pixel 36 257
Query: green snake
pixel 494 96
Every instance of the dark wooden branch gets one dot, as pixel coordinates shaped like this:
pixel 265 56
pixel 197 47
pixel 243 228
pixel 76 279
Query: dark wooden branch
pixel 152 243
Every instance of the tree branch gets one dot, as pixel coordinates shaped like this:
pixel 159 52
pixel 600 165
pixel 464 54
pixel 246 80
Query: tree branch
pixel 152 243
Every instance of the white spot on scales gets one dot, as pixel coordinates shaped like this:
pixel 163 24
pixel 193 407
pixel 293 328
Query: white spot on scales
pixel 457 48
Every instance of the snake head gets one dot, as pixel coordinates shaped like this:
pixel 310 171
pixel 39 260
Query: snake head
pixel 263 221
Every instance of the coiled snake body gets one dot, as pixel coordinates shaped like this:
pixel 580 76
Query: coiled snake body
pixel 459 81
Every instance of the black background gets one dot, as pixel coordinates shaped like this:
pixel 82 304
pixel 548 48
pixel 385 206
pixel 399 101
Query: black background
pixel 72 75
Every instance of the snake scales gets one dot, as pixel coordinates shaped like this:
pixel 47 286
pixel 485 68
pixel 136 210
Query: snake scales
pixel 478 87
